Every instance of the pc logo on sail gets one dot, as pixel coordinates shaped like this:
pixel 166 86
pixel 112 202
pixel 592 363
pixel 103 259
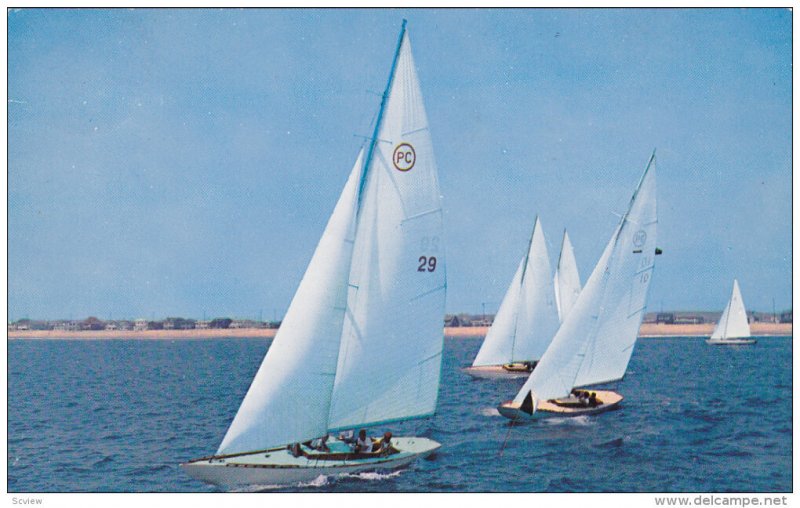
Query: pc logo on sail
pixel 404 157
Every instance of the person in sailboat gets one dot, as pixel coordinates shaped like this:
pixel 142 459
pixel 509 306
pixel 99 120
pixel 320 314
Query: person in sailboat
pixel 363 443
pixel 347 437
pixel 320 444
pixel 384 445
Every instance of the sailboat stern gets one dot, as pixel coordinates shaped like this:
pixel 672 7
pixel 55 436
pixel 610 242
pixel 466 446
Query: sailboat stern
pixel 420 447
pixel 519 411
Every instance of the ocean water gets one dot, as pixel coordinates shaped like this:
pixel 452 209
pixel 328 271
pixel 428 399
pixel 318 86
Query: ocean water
pixel 119 415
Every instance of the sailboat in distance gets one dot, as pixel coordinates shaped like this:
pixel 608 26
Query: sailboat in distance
pixel 594 343
pixel 566 281
pixel 733 328
pixel 526 320
pixel 361 343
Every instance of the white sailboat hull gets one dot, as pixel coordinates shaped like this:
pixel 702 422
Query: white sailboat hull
pixel 546 409
pixel 279 467
pixel 730 342
pixel 496 372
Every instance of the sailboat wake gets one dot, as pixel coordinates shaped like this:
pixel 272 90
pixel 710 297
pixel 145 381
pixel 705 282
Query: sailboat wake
pixel 374 475
pixel 575 421
pixel 489 411
pixel 255 488
pixel 319 481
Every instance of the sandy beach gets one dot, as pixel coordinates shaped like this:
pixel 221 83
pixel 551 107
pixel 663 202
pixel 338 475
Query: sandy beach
pixel 647 330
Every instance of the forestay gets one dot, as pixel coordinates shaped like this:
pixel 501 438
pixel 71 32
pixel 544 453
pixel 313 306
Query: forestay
pixel 595 341
pixel 527 318
pixel 733 323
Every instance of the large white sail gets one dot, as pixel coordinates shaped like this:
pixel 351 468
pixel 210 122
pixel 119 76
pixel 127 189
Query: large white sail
pixel 289 398
pixel 537 321
pixel 566 281
pixel 733 323
pixel 497 346
pixel 527 318
pixel 595 341
pixel 390 357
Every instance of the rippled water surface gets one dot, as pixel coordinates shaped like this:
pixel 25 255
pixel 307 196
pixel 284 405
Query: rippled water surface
pixel 119 415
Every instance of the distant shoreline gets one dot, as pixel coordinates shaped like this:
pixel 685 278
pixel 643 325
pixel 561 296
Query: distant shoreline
pixel 647 330
pixel 653 330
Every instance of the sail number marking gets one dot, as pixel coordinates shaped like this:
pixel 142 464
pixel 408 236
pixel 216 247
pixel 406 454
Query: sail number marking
pixel 404 157
pixel 426 264
pixel 639 238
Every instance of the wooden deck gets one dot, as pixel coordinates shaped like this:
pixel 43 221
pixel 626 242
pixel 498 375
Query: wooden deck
pixel 607 400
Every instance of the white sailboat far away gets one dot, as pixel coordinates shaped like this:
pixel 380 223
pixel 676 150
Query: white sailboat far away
pixel 361 343
pixel 594 343
pixel 733 328
pixel 526 320
pixel 566 281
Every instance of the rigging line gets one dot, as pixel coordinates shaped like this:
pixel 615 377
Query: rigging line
pixel 426 293
pixel 640 309
pixel 431 357
pixel 505 440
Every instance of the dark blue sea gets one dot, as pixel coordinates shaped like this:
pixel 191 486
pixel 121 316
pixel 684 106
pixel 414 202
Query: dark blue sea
pixel 119 415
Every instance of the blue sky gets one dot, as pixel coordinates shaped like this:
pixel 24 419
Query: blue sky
pixel 184 162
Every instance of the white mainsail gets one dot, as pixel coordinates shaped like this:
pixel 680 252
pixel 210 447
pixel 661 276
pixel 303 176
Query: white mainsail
pixel 497 346
pixel 595 341
pixel 566 281
pixel 527 318
pixel 733 323
pixel 362 340
pixel 390 356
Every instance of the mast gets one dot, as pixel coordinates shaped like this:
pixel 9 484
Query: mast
pixel 728 311
pixel 379 120
pixel 561 253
